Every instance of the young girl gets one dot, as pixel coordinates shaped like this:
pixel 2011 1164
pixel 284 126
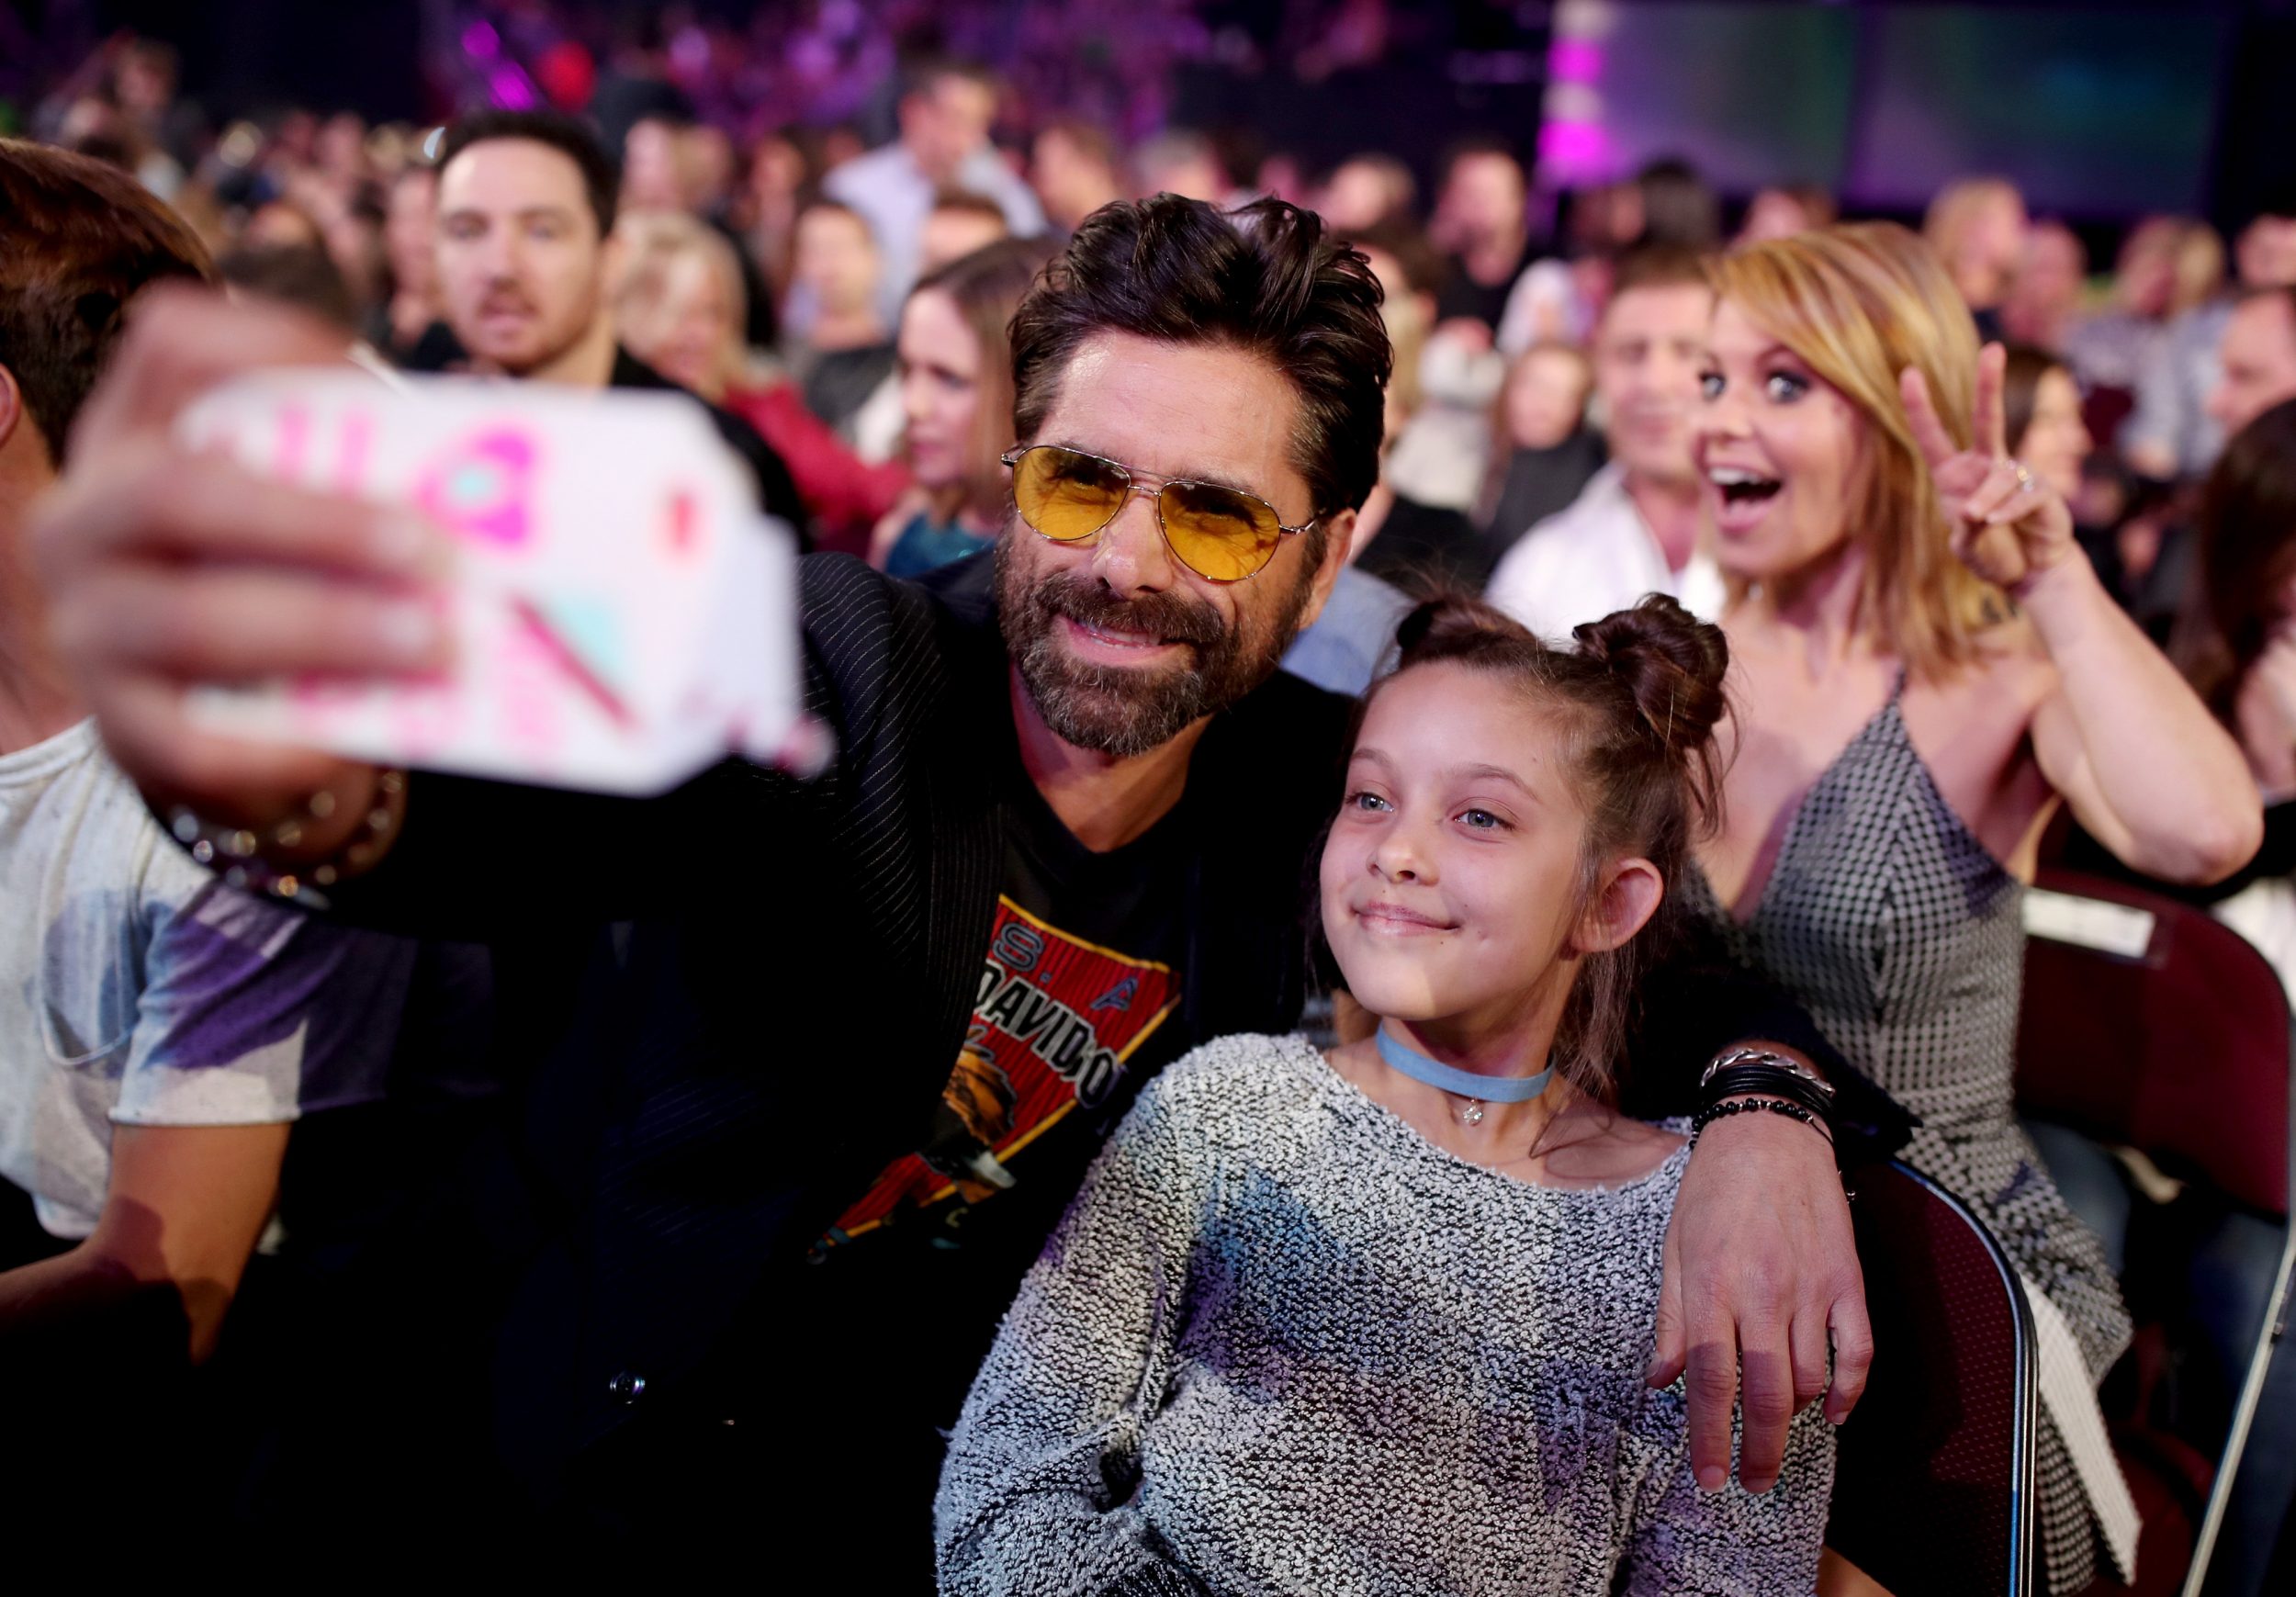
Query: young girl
pixel 1377 1320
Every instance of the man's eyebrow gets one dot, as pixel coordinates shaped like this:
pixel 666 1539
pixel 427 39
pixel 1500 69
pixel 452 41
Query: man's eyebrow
pixel 1208 478
pixel 521 214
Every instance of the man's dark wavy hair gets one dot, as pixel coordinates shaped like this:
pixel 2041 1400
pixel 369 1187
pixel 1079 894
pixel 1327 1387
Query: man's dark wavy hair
pixel 1264 279
pixel 601 179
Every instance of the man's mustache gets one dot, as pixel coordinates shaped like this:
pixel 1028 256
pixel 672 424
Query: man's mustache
pixel 1163 615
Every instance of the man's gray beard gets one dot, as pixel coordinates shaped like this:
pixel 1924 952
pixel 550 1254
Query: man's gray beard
pixel 1124 711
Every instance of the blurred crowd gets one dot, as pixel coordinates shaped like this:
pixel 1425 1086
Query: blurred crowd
pixel 767 264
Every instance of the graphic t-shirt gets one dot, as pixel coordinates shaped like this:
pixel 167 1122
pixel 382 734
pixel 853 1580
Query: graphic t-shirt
pixel 142 990
pixel 1079 982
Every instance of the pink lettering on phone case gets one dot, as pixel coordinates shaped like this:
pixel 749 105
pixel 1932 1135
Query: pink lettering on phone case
pixel 295 437
pixel 351 451
pixel 684 528
pixel 483 487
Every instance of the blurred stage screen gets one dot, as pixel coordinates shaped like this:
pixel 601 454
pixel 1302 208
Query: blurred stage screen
pixel 2092 112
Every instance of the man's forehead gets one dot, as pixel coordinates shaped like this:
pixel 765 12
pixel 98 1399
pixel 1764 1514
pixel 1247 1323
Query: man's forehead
pixel 1202 410
pixel 833 219
pixel 959 92
pixel 1659 308
pixel 524 172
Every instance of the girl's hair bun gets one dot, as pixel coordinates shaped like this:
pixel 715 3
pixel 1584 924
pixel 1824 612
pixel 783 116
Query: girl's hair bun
pixel 1671 663
pixel 1451 623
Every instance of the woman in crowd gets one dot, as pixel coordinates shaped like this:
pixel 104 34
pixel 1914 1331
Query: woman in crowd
pixel 2041 410
pixel 1547 453
pixel 680 307
pixel 1926 666
pixel 2238 645
pixel 1376 1320
pixel 1978 226
pixel 955 374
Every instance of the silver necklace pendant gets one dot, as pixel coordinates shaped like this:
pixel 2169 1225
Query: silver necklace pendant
pixel 1473 1113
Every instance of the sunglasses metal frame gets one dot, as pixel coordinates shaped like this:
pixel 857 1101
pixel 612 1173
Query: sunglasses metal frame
pixel 1133 484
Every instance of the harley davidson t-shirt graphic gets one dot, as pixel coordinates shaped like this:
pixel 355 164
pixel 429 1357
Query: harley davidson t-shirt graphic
pixel 1078 981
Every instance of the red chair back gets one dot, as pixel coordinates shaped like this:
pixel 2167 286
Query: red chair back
pixel 2170 1034
pixel 2180 1048
pixel 1934 1494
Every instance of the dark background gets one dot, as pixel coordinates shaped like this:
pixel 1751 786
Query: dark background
pixel 2036 89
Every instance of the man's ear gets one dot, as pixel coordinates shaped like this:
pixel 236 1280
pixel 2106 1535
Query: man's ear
pixel 12 414
pixel 1630 896
pixel 1339 532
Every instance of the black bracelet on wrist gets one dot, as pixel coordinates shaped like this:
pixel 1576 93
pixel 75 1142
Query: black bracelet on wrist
pixel 1771 1080
pixel 235 853
pixel 1792 1111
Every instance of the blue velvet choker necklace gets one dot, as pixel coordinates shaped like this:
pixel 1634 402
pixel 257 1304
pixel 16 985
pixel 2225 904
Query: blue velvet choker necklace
pixel 1477 1089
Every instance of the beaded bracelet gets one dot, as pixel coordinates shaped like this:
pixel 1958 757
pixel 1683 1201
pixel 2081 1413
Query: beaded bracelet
pixel 232 852
pixel 1771 1082
pixel 1792 1111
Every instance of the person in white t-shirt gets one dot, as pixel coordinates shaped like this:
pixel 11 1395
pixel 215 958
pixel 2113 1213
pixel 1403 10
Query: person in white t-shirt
pixel 946 112
pixel 159 1032
pixel 1636 527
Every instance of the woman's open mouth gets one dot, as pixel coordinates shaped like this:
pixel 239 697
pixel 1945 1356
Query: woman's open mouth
pixel 1743 497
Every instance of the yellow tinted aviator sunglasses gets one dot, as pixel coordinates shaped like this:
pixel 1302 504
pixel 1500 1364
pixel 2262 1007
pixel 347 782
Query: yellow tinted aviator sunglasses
pixel 1220 534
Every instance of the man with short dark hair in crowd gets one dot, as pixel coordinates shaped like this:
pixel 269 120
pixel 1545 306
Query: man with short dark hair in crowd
pixel 1634 528
pixel 946 111
pixel 2174 430
pixel 526 255
pixel 159 1032
pixel 840 344
pixel 1482 219
pixel 1074 168
pixel 961 222
pixel 840 1050
pixel 2257 360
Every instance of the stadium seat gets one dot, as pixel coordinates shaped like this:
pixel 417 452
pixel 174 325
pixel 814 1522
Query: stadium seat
pixel 1934 1491
pixel 2150 1026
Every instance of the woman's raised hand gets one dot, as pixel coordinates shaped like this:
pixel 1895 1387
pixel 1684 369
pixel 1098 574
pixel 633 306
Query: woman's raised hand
pixel 2008 526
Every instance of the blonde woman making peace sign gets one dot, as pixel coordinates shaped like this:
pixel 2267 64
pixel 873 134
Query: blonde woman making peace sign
pixel 1925 665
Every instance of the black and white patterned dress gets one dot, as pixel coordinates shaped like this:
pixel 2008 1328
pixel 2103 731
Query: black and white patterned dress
pixel 1904 937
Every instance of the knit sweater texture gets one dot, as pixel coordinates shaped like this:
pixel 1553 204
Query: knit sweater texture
pixel 1283 1343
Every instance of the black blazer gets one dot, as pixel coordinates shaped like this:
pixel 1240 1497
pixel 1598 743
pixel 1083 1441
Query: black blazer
pixel 725 1009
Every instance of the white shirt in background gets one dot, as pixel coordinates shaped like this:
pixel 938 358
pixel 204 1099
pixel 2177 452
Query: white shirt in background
pixel 894 197
pixel 137 989
pixel 1596 555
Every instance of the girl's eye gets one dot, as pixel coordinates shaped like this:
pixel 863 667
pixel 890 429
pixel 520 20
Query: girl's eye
pixel 1366 801
pixel 1785 388
pixel 1481 820
pixel 1710 385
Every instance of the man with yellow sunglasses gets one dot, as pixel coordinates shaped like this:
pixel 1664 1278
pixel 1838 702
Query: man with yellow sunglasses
pixel 811 1067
